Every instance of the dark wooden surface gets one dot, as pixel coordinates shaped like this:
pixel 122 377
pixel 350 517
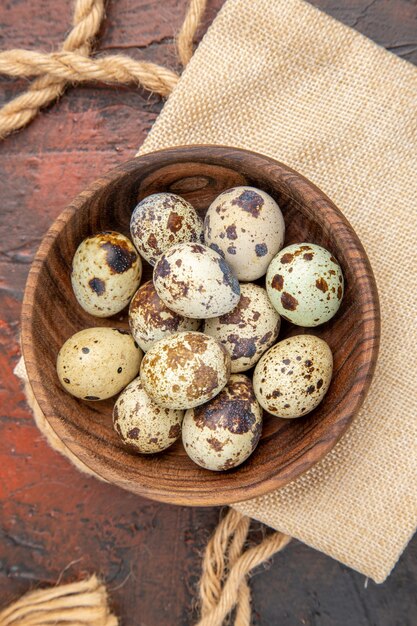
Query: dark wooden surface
pixel 55 522
pixel 287 447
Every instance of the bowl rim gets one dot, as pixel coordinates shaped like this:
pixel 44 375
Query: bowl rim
pixel 183 153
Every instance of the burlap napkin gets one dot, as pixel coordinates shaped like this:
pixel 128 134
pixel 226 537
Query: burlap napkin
pixel 281 78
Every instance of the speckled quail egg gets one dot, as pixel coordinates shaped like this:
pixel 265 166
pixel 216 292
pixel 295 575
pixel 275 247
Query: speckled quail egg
pixel 185 370
pixel 150 320
pixel 142 424
pixel 249 329
pixel 292 378
pixel 106 271
pixel 195 281
pixel 96 363
pixel 161 220
pixel 305 284
pixel 246 226
pixel 224 432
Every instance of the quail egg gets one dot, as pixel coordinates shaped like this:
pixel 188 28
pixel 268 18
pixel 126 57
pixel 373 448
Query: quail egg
pixel 249 329
pixel 150 320
pixel 305 284
pixel 96 363
pixel 106 271
pixel 185 370
pixel 195 281
pixel 246 226
pixel 224 432
pixel 161 220
pixel 142 424
pixel 292 378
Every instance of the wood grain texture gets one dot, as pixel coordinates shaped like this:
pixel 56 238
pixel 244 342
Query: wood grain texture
pixel 50 514
pixel 51 315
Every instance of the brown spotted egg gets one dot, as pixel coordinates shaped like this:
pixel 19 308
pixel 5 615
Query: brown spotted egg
pixel 150 320
pixel 161 220
pixel 143 425
pixel 185 370
pixel 106 271
pixel 249 329
pixel 246 226
pixel 224 432
pixel 96 363
pixel 305 284
pixel 292 378
pixel 195 281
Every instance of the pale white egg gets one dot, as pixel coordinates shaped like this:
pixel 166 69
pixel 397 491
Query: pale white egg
pixel 249 329
pixel 224 432
pixel 142 424
pixel 305 284
pixel 162 219
pixel 246 226
pixel 185 370
pixel 292 378
pixel 195 281
pixel 96 363
pixel 106 271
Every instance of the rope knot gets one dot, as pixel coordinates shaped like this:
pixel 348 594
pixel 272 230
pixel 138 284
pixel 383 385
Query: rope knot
pixel 74 64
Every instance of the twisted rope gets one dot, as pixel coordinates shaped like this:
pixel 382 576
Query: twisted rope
pixel 189 28
pixel 214 561
pixel 243 603
pixel 72 67
pixel 223 584
pixel 78 604
pixel 73 64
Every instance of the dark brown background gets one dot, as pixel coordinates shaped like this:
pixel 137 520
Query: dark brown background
pixel 55 522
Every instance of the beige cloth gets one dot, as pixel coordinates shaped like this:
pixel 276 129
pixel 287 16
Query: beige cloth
pixel 281 78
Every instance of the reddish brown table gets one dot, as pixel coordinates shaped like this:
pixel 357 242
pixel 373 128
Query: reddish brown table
pixel 55 522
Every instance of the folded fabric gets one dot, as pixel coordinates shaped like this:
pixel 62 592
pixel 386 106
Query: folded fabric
pixel 281 78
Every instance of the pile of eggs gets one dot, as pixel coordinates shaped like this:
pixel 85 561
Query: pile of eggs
pixel 200 323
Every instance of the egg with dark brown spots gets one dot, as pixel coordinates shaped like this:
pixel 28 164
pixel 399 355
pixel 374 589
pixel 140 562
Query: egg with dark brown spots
pixel 223 433
pixel 161 220
pixel 195 281
pixel 292 378
pixel 246 226
pixel 97 363
pixel 106 271
pixel 150 319
pixel 185 370
pixel 305 284
pixel 142 425
pixel 249 329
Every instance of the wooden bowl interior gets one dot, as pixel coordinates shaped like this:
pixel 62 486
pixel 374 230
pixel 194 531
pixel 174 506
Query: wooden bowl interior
pixel 51 315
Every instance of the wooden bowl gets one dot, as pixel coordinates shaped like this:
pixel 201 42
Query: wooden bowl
pixel 51 315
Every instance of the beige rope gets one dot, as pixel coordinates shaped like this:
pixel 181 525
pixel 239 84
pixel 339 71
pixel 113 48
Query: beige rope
pixel 214 561
pixel 189 28
pixel 78 604
pixel 243 606
pixel 73 64
pixel 76 68
pixel 222 588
